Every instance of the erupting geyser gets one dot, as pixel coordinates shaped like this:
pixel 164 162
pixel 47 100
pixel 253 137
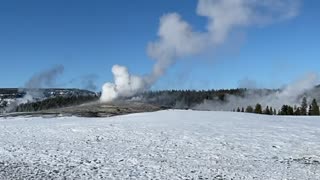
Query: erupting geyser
pixel 177 39
pixel 124 85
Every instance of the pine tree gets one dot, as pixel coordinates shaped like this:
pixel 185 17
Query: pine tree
pixel 249 109
pixel 238 109
pixel 304 106
pixel 258 109
pixel 267 111
pixel 242 110
pixel 286 110
pixel 314 111
pixel 310 111
pixel 271 111
pixel 297 112
pixel 290 111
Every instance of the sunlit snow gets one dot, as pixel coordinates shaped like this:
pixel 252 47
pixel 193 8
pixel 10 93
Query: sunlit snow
pixel 161 145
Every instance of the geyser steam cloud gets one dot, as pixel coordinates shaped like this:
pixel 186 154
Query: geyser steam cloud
pixel 124 85
pixel 32 87
pixel 177 38
pixel 292 94
pixel 46 78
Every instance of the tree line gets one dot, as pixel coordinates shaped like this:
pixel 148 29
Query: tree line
pixel 186 99
pixel 312 109
pixel 183 99
pixel 53 103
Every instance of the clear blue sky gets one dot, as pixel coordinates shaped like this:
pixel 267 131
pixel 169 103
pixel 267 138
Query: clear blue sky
pixel 88 37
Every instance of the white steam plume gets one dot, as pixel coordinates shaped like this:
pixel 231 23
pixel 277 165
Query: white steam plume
pixel 292 94
pixel 124 84
pixel 32 87
pixel 177 38
pixel 46 78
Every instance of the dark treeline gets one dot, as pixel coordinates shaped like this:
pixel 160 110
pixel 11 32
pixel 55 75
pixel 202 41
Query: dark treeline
pixel 8 90
pixel 286 110
pixel 184 99
pixel 56 102
pixel 188 98
pixel 181 99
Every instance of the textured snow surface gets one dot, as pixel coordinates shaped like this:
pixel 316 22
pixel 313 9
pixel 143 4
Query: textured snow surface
pixel 161 145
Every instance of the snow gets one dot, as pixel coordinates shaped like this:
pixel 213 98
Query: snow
pixel 168 144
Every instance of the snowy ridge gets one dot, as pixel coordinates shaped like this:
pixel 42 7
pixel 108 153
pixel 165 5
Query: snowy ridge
pixel 161 145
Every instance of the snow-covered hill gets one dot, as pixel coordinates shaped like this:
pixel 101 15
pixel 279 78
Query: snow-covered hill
pixel 161 145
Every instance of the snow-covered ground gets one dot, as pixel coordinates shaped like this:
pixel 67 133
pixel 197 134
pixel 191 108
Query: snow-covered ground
pixel 161 145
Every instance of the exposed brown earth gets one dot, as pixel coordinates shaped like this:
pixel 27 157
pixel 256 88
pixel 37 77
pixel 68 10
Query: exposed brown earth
pixel 95 109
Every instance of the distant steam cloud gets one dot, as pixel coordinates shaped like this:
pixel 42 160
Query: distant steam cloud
pixel 247 83
pixel 89 82
pixel 33 86
pixel 46 78
pixel 178 39
pixel 292 94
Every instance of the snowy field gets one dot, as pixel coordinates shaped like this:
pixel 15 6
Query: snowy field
pixel 161 145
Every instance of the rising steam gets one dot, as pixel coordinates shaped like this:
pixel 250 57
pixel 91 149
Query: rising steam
pixel 291 94
pixel 87 82
pixel 124 84
pixel 177 38
pixel 46 78
pixel 32 88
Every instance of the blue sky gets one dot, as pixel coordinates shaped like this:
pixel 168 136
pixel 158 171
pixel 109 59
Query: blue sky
pixel 88 37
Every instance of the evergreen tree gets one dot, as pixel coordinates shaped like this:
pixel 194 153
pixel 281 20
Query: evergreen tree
pixel 249 109
pixel 242 110
pixel 267 111
pixel 290 111
pixel 297 112
pixel 271 111
pixel 310 110
pixel 286 110
pixel 258 109
pixel 304 106
pixel 238 109
pixel 314 111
